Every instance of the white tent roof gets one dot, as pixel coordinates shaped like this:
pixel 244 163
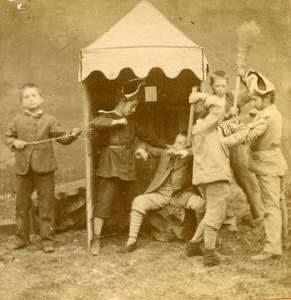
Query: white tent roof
pixel 143 39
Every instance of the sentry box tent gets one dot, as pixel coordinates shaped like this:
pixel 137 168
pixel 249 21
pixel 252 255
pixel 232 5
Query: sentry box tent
pixel 142 44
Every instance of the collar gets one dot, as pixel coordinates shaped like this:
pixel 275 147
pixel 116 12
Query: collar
pixel 268 111
pixel 38 114
pixel 101 111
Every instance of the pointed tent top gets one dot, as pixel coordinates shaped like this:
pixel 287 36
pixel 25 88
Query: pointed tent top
pixel 145 26
pixel 143 39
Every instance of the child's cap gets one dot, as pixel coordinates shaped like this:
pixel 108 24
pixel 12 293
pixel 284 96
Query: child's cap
pixel 214 100
pixel 258 84
pixel 132 87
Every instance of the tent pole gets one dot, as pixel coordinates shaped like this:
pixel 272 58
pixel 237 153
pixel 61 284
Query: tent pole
pixel 88 161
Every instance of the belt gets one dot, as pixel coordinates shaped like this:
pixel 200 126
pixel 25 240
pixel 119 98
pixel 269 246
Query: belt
pixel 117 147
pixel 271 147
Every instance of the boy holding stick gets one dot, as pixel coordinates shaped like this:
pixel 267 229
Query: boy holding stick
pixel 29 137
pixel 211 171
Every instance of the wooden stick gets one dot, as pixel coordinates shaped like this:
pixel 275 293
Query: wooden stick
pixel 190 124
pixel 191 119
pixel 59 137
pixel 49 140
pixel 237 84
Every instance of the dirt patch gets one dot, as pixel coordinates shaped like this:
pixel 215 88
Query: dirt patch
pixel 154 271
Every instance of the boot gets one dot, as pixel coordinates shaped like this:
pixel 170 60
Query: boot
pixel 193 249
pixel 210 258
pixel 127 249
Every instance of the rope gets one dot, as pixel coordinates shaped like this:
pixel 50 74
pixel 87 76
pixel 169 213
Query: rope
pixel 84 128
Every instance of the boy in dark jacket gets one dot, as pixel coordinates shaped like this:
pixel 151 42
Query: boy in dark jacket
pixel 170 186
pixel 35 165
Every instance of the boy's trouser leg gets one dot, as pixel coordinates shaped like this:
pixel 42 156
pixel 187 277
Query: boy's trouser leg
pixel 246 180
pixel 197 204
pixel 270 191
pixel 97 226
pixel 215 194
pixel 24 189
pixel 128 193
pixel 45 186
pixel 107 191
pixel 199 233
pixel 210 235
pixel 140 206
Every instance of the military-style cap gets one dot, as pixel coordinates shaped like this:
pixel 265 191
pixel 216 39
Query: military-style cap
pixel 258 84
pixel 132 87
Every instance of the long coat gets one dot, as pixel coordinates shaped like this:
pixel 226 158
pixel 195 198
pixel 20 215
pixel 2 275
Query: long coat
pixel 116 145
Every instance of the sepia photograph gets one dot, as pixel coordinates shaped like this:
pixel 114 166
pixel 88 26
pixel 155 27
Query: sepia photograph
pixel 145 149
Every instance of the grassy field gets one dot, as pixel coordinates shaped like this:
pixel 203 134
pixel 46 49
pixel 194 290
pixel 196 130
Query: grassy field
pixel 154 271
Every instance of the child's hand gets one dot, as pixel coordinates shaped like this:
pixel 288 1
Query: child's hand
pixel 76 132
pixel 253 112
pixel 181 153
pixel 233 111
pixel 19 144
pixel 171 151
pixel 251 125
pixel 240 71
pixel 141 153
pixel 122 121
pixel 194 97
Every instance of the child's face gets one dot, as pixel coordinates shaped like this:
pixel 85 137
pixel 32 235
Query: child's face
pixel 31 98
pixel 260 102
pixel 219 87
pixel 180 142
pixel 129 107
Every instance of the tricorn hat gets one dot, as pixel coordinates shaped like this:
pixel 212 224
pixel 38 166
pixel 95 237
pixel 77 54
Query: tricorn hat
pixel 132 87
pixel 258 84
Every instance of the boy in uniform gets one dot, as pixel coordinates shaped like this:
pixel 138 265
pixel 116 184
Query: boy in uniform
pixel 266 159
pixel 170 186
pixel 35 165
pixel 239 154
pixel 116 166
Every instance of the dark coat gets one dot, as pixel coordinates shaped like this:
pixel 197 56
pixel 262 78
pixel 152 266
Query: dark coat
pixel 116 145
pixel 179 168
pixel 29 128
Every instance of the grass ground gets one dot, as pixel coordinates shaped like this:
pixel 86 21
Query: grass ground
pixel 154 271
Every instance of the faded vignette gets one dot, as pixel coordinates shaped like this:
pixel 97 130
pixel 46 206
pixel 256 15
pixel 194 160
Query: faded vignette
pixel 41 42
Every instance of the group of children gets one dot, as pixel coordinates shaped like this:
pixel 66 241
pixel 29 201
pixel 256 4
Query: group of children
pixel 216 146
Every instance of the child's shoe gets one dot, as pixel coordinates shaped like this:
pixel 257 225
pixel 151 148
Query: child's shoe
pixel 210 258
pixel 253 222
pixel 193 249
pixel 263 256
pixel 127 248
pixel 18 244
pixel 48 249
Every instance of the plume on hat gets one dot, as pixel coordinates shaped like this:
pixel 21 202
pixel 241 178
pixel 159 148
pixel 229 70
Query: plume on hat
pixel 247 34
